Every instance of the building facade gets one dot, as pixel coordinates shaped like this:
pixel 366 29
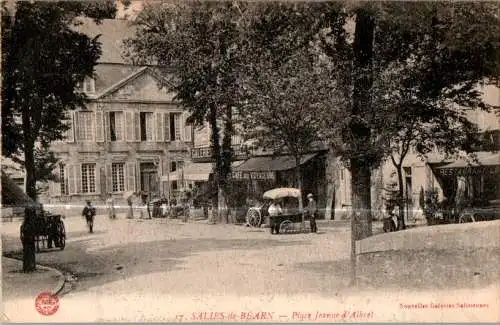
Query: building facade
pixel 129 136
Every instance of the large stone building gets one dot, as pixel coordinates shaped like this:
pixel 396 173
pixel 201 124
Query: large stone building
pixel 130 137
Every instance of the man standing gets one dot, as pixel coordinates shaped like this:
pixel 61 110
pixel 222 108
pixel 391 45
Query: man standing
pixel 312 210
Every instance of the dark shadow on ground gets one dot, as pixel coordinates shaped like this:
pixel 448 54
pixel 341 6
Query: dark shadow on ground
pixel 98 267
pixel 432 269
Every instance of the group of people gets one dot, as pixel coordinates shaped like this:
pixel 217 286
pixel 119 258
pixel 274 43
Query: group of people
pixel 275 209
pixel 142 208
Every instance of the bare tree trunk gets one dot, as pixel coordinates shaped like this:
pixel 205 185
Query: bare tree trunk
pixel 298 181
pixel 361 199
pixel 215 136
pixel 401 215
pixel 29 156
pixel 226 159
pixel 28 240
pixel 359 128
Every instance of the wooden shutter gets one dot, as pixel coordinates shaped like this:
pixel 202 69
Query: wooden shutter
pixel 54 189
pixel 57 188
pixel 137 124
pixel 71 179
pixel 109 178
pixel 76 124
pixel 97 178
pixel 78 178
pixel 188 129
pixel 166 126
pixel 159 134
pixel 129 126
pixel 130 177
pixel 106 132
pixel 69 135
pixel 99 126
pixel 124 125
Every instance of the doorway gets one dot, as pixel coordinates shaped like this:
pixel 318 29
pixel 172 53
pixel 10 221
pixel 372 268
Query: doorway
pixel 149 178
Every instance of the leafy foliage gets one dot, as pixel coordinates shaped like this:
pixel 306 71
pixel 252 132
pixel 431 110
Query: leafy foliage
pixel 43 60
pixel 197 44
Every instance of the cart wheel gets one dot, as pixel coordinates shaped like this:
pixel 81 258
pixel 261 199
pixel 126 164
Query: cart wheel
pixel 61 233
pixel 286 226
pixel 254 218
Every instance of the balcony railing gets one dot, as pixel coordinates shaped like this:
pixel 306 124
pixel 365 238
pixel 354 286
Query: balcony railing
pixel 206 153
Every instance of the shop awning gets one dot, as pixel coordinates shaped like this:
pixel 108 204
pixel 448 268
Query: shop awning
pixel 483 159
pixel 270 163
pixel 13 195
pixel 197 171
pixel 485 164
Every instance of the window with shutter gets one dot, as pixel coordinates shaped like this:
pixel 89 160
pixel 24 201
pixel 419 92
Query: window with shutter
pixel 99 126
pixel 131 177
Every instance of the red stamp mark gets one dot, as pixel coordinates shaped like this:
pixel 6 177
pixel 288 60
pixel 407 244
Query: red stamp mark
pixel 47 303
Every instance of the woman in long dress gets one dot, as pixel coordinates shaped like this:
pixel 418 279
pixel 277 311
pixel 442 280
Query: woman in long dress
pixel 110 204
pixel 130 212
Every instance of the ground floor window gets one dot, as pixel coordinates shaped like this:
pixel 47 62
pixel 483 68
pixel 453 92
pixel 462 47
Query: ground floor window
pixel 88 178
pixel 118 177
pixel 63 181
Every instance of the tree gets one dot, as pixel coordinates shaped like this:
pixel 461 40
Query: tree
pixel 283 105
pixel 433 55
pixel 198 45
pixel 427 85
pixel 43 60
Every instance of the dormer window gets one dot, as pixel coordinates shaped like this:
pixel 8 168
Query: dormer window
pixel 88 85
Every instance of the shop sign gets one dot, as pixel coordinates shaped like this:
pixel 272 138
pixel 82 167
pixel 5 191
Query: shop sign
pixel 253 175
pixel 470 171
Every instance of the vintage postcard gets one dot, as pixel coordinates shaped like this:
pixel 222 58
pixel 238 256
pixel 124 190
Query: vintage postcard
pixel 234 161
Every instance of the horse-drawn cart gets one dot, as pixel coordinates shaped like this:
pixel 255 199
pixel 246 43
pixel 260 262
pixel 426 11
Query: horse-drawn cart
pixel 48 230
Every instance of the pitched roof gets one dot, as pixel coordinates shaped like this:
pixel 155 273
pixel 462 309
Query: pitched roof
pixel 113 32
pixel 110 75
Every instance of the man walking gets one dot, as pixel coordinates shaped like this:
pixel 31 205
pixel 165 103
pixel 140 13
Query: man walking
pixel 312 210
pixel 89 214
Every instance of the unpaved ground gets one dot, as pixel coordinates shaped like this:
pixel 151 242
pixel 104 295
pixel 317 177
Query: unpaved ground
pixel 161 269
